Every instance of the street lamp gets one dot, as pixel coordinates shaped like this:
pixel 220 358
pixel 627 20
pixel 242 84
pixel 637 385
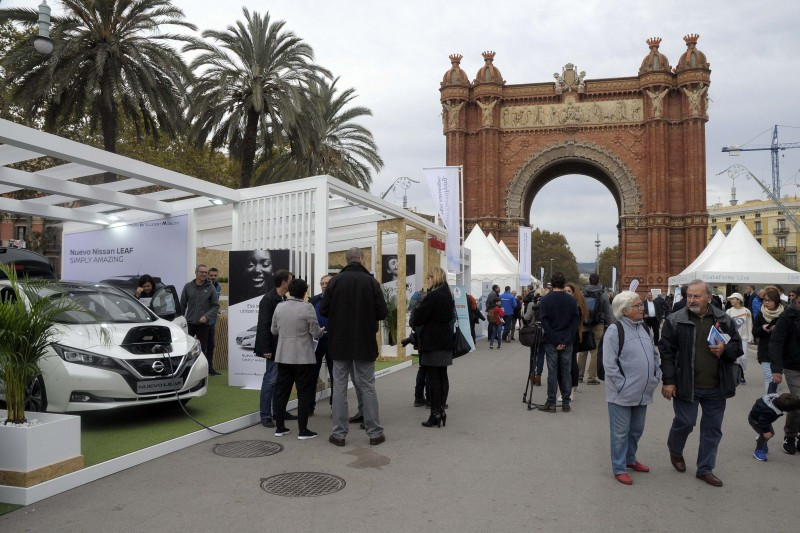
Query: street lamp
pixel 42 42
pixel 551 269
pixel 404 183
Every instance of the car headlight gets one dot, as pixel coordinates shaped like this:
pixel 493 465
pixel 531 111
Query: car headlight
pixel 82 357
pixel 194 353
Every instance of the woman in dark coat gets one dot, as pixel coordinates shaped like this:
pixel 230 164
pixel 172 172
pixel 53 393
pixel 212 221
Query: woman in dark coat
pixel 771 309
pixel 433 320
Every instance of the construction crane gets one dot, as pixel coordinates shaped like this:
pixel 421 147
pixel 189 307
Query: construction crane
pixel 735 171
pixel 774 148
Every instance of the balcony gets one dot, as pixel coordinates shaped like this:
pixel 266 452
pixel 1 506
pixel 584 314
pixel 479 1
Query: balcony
pixel 783 249
pixel 780 230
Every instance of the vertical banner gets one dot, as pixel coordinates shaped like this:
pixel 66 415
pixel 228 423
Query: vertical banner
pixel 462 311
pixel 614 279
pixel 541 275
pixel 524 254
pixel 250 278
pixel 444 186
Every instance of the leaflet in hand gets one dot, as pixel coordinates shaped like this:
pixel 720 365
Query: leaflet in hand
pixel 717 337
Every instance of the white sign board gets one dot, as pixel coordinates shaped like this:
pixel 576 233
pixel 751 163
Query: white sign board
pixel 159 247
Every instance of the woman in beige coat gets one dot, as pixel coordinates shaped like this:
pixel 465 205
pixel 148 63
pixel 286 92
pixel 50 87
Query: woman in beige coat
pixel 295 324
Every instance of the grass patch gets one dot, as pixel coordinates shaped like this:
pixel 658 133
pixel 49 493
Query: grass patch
pixel 116 432
pixel 8 507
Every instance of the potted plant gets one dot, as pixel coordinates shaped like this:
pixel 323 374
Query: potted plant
pixel 27 325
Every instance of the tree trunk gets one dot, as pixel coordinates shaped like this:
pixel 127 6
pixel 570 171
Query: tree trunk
pixel 249 148
pixel 108 121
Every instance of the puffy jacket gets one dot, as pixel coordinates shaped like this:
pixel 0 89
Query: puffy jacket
pixel 631 376
pixel 677 353
pixel 784 343
pixel 433 319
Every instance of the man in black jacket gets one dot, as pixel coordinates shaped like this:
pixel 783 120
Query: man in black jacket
pixel 784 356
pixel 354 305
pixel 267 344
pixel 654 314
pixel 697 374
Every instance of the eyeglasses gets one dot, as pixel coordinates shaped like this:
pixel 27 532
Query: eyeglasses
pixel 638 306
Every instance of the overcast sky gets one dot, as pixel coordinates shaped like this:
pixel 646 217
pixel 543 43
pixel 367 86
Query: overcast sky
pixel 395 54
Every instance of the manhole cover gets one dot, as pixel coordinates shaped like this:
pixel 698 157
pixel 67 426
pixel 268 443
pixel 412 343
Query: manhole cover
pixel 301 484
pixel 247 448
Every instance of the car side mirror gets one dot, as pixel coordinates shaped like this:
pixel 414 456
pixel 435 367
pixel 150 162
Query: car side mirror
pixel 166 303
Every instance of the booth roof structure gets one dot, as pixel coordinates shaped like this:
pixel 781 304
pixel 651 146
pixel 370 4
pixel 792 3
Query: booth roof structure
pixel 313 216
pixel 737 259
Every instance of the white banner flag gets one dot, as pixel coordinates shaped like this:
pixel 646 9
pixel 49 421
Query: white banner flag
pixel 614 279
pixel 444 186
pixel 541 275
pixel 524 254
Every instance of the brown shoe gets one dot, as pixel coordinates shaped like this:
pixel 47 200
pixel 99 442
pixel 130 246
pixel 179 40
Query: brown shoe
pixel 678 462
pixel 336 441
pixel 537 380
pixel 374 441
pixel 710 478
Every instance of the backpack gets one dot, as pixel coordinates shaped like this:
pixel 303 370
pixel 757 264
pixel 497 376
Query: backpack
pixel 595 305
pixel 601 370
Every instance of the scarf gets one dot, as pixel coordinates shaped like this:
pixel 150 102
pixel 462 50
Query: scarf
pixel 769 316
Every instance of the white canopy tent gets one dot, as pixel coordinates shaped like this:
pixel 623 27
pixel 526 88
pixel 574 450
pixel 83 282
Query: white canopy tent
pixel 488 263
pixel 738 259
pixel 716 241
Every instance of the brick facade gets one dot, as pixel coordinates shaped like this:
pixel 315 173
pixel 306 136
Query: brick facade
pixel 643 137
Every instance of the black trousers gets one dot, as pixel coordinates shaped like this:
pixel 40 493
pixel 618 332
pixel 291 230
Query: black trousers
pixel 200 332
pixel 303 377
pixel 653 323
pixel 322 351
pixel 439 386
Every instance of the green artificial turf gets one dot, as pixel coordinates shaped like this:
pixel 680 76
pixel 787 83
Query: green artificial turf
pixel 116 432
pixel 8 507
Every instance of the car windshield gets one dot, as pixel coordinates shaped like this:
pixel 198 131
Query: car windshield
pixel 102 304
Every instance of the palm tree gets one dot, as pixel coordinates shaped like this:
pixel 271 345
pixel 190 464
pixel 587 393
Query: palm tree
pixel 110 60
pixel 251 81
pixel 326 140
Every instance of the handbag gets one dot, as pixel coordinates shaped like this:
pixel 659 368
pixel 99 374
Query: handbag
pixel 460 343
pixel 529 334
pixel 587 343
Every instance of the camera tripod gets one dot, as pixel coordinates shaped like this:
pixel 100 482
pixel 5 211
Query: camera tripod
pixel 527 396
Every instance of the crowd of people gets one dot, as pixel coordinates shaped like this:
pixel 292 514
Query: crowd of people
pixel 694 345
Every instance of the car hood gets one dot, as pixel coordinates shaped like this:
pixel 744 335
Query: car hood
pixel 89 337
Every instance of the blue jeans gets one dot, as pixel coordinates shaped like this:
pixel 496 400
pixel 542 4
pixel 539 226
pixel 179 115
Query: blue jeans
pixel 556 359
pixel 268 389
pixel 495 333
pixel 627 426
pixel 713 403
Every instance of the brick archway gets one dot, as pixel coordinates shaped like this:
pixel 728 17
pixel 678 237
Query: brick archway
pixel 572 158
pixel 642 136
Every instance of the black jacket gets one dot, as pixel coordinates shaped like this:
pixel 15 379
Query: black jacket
pixel 677 353
pixel 433 319
pixel 784 343
pixel 266 342
pixel 764 413
pixel 660 308
pixel 353 303
pixel 762 337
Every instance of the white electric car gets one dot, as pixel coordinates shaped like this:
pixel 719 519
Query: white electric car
pixel 146 357
pixel 247 339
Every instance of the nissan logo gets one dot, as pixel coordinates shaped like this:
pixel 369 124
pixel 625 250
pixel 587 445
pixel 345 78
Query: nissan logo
pixel 158 367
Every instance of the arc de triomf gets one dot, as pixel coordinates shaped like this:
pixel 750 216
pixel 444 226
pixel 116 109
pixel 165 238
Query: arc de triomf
pixel 643 137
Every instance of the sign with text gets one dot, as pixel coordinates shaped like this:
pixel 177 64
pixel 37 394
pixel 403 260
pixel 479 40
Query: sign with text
pixel 462 312
pixel 524 254
pixel 121 254
pixel 443 182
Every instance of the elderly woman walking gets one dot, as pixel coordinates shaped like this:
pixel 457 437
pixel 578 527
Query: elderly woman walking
pixel 632 374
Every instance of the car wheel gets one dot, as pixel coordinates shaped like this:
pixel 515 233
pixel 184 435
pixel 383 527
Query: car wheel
pixel 36 396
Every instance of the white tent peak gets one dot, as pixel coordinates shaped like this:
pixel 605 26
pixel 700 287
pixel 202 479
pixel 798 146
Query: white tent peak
pixel 713 246
pixel 487 259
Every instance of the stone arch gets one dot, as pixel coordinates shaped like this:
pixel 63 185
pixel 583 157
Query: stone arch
pixel 567 158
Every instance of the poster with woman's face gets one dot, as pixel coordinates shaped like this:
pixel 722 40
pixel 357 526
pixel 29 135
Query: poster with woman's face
pixel 251 272
pixel 390 266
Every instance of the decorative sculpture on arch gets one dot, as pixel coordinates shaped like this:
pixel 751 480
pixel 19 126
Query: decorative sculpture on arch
pixel 694 98
pixel 487 111
pixel 657 101
pixel 452 113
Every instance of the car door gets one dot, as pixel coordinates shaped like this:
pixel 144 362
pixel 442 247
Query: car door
pixel 166 304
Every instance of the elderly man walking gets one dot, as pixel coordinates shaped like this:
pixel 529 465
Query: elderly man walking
pixel 697 373
pixel 354 304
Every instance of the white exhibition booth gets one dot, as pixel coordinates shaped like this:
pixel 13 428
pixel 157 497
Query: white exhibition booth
pixel 737 259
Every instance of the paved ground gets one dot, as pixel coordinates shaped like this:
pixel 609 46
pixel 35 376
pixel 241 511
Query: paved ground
pixel 495 467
